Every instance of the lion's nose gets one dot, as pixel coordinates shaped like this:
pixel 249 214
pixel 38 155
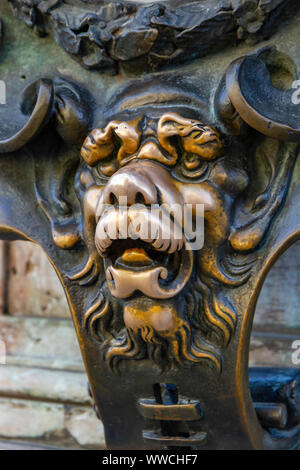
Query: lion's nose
pixel 129 186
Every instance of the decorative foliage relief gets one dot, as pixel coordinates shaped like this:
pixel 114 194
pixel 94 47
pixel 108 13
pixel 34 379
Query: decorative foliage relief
pixel 101 35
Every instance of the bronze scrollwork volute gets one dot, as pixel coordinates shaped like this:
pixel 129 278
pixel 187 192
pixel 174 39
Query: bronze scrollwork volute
pixel 159 322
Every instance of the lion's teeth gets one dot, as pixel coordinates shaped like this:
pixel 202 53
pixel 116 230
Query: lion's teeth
pixel 173 246
pixel 180 244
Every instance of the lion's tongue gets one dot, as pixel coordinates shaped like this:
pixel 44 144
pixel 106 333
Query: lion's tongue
pixel 123 283
pixel 135 256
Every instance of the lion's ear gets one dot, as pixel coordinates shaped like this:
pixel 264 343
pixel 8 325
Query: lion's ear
pixel 72 112
pixel 254 98
pixel 37 102
pixel 58 115
pixel 257 90
pixel 271 168
pixel 45 101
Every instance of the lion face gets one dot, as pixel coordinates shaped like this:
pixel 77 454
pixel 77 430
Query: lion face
pixel 140 166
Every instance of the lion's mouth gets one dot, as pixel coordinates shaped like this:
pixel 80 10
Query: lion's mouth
pixel 141 269
pixel 139 256
pixel 146 261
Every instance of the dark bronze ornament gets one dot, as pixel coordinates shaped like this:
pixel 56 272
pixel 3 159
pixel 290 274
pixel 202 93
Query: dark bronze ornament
pixel 105 35
pixel 164 329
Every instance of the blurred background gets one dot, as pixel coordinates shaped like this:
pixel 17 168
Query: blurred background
pixel 44 400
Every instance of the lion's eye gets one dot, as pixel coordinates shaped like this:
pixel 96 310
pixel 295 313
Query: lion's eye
pixel 192 166
pixel 192 162
pixel 105 171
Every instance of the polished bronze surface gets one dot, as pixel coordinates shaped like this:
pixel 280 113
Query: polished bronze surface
pixel 89 161
pixel 179 412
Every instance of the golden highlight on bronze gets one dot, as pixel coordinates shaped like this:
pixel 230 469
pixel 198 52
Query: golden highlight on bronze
pixel 196 138
pixel 100 144
pixel 123 138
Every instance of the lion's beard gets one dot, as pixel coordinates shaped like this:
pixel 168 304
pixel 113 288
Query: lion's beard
pixel 203 326
pixel 166 351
